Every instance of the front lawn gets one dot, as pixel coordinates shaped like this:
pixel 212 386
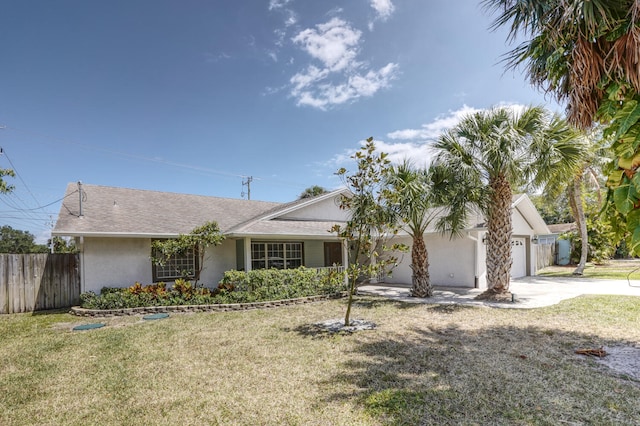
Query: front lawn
pixel 424 364
pixel 611 270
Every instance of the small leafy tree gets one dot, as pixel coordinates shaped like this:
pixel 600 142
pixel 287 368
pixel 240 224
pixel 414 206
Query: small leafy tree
pixel 312 191
pixel 371 219
pixel 199 239
pixel 601 243
pixel 5 188
pixel 553 210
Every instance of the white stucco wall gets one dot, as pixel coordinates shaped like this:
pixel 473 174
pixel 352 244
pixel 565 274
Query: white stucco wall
pixel 451 261
pixel 323 210
pixel 115 262
pixel 120 262
pixel 218 260
pixel 520 225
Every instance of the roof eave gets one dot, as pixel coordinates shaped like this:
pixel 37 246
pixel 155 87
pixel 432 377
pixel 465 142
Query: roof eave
pixel 62 233
pixel 275 236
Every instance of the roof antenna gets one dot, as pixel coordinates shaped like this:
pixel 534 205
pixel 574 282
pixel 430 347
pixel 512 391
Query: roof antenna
pixel 247 183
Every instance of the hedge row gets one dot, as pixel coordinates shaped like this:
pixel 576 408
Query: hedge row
pixel 235 287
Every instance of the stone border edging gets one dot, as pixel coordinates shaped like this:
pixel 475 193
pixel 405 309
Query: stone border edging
pixel 226 307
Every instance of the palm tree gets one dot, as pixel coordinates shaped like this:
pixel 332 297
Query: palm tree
pixel 414 207
pixel 493 151
pixel 587 54
pixel 586 175
pixel 576 48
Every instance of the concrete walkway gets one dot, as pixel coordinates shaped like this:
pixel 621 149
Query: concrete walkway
pixel 529 292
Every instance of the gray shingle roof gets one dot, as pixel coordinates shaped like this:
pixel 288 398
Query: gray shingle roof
pixel 121 211
pixel 301 228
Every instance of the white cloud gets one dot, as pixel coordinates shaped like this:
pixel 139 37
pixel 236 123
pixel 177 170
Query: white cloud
pixel 290 19
pixel 334 43
pixel 435 128
pixel 305 79
pixel 384 8
pixel 212 58
pixel 278 4
pixel 416 145
pixel 419 154
pixel 308 91
pixel 340 77
pixel 432 130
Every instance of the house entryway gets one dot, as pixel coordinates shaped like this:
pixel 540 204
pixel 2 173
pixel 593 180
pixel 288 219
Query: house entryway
pixel 332 253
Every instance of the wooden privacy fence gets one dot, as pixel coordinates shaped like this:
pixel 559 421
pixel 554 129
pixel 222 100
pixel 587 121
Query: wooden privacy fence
pixel 35 282
pixel 545 254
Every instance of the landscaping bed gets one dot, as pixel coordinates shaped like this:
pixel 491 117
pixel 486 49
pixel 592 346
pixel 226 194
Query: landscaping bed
pixel 218 307
pixel 236 291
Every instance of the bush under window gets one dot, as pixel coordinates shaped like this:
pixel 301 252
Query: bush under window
pixel 235 287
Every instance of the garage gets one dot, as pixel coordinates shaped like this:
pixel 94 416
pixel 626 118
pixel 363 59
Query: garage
pixel 519 256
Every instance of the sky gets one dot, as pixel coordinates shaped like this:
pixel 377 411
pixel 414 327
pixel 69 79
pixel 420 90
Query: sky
pixel 197 96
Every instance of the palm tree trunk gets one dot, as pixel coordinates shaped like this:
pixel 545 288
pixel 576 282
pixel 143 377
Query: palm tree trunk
pixel 421 283
pixel 499 237
pixel 575 195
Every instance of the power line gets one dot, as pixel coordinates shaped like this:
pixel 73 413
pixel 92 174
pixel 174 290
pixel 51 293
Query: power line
pixel 195 168
pixel 124 154
pixel 15 170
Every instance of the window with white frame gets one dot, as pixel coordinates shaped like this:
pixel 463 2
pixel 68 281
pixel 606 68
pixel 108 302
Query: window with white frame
pixel 178 266
pixel 266 255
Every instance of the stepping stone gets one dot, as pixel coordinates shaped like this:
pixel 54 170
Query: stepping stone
pixel 155 316
pixel 88 326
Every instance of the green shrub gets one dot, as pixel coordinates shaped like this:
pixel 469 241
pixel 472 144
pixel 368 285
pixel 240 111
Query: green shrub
pixel 271 284
pixel 235 287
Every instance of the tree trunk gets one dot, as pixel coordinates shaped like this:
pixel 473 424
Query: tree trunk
pixel 578 213
pixel 347 315
pixel 421 283
pixel 499 237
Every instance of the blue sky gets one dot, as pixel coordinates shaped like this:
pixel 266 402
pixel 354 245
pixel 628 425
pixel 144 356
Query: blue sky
pixel 194 96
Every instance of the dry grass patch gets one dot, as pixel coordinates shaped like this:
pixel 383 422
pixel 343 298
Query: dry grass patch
pixel 424 364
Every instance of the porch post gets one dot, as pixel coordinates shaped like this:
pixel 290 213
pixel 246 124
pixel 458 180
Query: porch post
pixel 247 254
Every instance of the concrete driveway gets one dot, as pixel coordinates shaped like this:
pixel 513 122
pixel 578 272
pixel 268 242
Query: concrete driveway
pixel 529 292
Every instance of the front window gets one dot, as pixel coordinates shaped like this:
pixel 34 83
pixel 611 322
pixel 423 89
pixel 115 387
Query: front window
pixel 266 255
pixel 183 265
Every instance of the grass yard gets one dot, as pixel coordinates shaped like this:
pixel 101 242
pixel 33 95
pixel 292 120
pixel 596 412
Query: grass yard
pixel 424 364
pixel 613 269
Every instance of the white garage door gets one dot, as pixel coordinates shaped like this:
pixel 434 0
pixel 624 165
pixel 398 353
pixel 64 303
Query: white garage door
pixel 519 256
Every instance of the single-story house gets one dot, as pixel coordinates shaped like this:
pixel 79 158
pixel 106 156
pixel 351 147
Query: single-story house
pixel 114 227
